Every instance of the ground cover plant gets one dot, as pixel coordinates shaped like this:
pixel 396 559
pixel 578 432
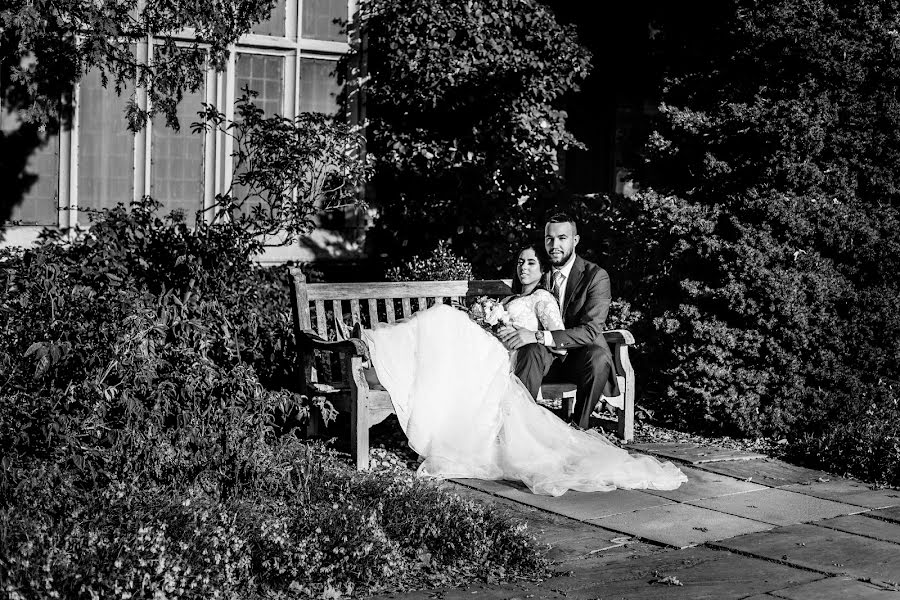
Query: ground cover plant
pixel 149 439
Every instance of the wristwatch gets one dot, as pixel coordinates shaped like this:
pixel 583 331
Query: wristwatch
pixel 539 336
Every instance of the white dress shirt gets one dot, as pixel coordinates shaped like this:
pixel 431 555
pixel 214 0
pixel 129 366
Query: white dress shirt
pixel 566 270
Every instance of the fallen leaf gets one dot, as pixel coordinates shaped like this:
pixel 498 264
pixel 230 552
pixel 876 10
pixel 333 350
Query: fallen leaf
pixel 667 580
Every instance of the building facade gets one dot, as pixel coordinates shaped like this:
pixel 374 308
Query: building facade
pixel 290 60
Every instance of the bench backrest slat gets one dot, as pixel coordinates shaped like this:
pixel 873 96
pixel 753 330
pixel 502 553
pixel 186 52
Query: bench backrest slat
pixel 407 289
pixel 373 310
pixel 321 324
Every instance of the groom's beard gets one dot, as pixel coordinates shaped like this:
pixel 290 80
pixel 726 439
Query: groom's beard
pixel 561 261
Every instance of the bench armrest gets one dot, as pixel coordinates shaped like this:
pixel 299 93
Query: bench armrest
pixel 310 340
pixel 619 336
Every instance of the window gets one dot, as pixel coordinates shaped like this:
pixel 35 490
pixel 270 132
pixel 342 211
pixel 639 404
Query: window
pixel 105 147
pixel 265 75
pixel 274 25
pixel 324 20
pixel 176 160
pixel 319 88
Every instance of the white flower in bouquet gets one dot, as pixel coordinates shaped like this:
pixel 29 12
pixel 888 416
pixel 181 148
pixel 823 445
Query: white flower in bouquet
pixel 495 314
pixel 489 313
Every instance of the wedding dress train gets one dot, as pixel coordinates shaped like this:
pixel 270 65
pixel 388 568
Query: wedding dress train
pixel 468 416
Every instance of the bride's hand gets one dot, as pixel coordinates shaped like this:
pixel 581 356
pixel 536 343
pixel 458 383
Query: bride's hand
pixel 516 337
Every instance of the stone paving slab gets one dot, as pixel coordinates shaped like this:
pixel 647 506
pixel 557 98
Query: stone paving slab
pixel 777 506
pixel 865 526
pixel 888 514
pixel 587 505
pixel 769 472
pixel 832 588
pixel 704 574
pixel 848 492
pixel 486 485
pixel 824 550
pixel 569 540
pixel 705 484
pixel 680 525
pixel 694 454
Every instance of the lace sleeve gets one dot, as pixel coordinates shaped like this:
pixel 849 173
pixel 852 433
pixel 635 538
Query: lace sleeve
pixel 547 311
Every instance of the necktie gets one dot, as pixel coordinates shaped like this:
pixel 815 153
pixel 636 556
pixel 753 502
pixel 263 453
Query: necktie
pixel 558 279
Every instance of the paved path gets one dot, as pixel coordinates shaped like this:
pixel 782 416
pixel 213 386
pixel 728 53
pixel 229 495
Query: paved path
pixel 744 526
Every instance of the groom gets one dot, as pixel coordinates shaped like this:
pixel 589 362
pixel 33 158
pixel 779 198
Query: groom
pixel 579 352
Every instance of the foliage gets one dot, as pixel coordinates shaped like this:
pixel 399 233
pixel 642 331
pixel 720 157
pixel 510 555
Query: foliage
pixel 441 265
pixel 862 439
pixel 764 263
pixel 314 529
pixel 754 329
pixel 797 94
pixel 463 119
pixel 286 170
pixel 48 46
pixel 140 321
pixel 148 442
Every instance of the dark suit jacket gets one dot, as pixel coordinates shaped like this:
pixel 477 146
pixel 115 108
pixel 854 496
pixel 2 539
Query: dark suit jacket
pixel 584 309
pixel 585 306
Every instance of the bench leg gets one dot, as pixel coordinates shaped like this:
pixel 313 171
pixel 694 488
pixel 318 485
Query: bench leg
pixel 568 407
pixel 626 416
pixel 359 412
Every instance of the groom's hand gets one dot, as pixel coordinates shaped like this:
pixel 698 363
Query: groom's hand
pixel 516 337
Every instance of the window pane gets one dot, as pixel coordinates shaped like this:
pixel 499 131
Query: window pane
pixel 105 147
pixel 274 25
pixel 265 75
pixel 319 88
pixel 40 204
pixel 176 159
pixel 319 20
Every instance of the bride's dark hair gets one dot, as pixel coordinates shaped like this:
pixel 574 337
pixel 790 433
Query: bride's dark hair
pixel 543 261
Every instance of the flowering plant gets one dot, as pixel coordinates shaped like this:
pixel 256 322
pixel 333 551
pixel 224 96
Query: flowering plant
pixel 489 313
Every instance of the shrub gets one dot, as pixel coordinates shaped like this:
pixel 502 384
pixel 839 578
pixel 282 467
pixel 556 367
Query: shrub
pixel 313 528
pixel 762 317
pixel 860 437
pixel 441 265
pixel 142 454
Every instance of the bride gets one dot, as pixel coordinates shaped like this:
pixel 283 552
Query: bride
pixel 466 413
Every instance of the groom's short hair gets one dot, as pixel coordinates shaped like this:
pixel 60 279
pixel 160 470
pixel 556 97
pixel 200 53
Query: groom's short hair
pixel 561 217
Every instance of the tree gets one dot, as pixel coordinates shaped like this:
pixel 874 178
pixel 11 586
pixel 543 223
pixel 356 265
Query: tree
pixel 765 259
pixel 462 117
pixel 286 170
pixel 46 47
pixel 797 95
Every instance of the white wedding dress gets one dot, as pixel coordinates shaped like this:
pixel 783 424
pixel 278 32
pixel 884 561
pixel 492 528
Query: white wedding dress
pixel 469 416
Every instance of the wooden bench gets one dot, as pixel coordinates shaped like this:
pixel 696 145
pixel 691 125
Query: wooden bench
pixel 326 314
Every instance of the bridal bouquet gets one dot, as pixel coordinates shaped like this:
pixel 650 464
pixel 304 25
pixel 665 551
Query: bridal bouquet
pixel 488 313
